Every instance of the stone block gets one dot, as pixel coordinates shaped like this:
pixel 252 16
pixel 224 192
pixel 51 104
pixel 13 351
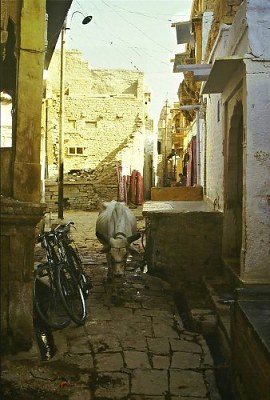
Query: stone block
pixel 185 346
pixel 158 345
pixel 136 359
pixel 161 362
pixel 113 385
pixel 187 383
pixel 149 382
pixel 109 362
pixel 182 360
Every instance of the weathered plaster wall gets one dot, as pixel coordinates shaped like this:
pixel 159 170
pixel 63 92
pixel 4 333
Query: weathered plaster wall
pixel 257 204
pixel 214 145
pixel 246 38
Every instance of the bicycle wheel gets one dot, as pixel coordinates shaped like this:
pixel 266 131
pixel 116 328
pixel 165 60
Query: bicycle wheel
pixel 47 300
pixel 71 294
pixel 75 263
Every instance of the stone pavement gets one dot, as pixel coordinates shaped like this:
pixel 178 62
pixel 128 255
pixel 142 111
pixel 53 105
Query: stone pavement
pixel 132 346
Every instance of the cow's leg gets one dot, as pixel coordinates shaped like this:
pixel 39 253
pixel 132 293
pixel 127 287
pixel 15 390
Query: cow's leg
pixel 109 265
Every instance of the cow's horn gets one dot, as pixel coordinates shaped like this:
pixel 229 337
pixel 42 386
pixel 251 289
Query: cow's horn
pixel 132 238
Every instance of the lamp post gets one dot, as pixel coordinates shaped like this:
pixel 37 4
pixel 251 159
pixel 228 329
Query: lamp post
pixel 61 152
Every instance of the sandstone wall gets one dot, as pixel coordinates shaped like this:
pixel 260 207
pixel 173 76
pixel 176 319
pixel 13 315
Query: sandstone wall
pixel 80 195
pixel 105 118
pixel 184 246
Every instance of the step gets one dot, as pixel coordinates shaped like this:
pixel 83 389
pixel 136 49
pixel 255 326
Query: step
pixel 221 296
pixel 231 272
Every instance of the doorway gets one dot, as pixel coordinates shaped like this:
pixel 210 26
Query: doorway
pixel 233 189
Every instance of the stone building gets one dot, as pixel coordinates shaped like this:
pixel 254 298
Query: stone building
pixel 105 125
pixel 172 131
pixel 164 144
pixel 23 58
pixel 225 95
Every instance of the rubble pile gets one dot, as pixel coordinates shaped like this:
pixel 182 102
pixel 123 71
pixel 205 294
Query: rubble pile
pixel 105 174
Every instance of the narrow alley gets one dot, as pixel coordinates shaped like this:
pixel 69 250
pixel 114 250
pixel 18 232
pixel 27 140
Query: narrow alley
pixel 135 346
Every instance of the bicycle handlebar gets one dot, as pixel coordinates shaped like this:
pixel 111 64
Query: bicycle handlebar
pixel 62 227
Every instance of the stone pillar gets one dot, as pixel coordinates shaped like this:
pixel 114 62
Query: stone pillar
pixel 26 185
pixel 21 213
pixel 18 220
pixel 255 263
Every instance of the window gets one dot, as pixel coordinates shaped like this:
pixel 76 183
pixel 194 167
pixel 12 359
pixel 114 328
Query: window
pixel 76 151
pixel 5 120
pixel 79 150
pixel 72 124
pixel 90 124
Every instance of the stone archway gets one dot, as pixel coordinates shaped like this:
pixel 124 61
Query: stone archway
pixel 233 189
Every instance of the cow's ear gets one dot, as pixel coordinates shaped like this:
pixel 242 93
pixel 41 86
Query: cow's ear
pixel 111 241
pixel 101 238
pixel 105 249
pixel 133 251
pixel 132 238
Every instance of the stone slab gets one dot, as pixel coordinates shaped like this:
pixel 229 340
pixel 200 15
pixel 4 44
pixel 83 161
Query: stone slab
pixel 187 383
pixel 114 385
pixel 136 359
pixel 149 382
pixel 185 360
pixel 109 362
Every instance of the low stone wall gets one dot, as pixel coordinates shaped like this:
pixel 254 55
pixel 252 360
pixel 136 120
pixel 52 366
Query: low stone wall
pixel 80 195
pixel 184 246
pixel 251 342
pixel 177 193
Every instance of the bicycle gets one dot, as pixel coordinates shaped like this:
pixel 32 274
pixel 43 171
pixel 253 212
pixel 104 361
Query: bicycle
pixel 57 295
pixel 69 253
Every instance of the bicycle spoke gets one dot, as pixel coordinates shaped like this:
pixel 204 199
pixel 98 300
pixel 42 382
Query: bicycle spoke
pixel 47 300
pixel 76 265
pixel 71 294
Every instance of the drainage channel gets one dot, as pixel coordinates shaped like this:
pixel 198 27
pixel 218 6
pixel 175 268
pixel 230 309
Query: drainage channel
pixel 221 363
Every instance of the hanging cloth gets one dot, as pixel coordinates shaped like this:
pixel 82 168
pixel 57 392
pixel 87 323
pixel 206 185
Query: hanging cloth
pixel 194 161
pixel 122 189
pixel 189 165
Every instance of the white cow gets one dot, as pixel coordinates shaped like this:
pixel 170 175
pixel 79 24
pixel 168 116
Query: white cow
pixel 116 229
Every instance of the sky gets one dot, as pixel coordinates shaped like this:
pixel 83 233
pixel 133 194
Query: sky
pixel 133 35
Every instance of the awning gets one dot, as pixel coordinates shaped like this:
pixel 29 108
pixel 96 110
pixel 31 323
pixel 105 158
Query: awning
pixel 57 12
pixel 183 32
pixel 200 71
pixel 221 72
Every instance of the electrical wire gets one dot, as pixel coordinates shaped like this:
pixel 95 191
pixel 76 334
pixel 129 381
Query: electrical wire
pixel 135 49
pixel 138 29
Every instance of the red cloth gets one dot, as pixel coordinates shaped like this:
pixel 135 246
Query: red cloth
pixel 122 188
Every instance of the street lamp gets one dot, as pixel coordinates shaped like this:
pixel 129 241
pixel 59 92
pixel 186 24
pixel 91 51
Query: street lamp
pixel 85 21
